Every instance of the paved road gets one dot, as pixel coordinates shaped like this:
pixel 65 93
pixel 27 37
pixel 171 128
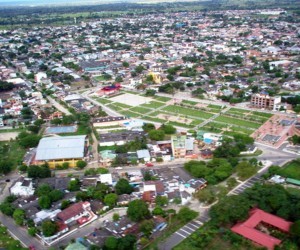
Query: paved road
pixel 84 231
pixel 21 233
pixel 58 106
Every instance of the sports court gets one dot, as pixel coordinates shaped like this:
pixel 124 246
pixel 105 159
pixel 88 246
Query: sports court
pixel 61 130
pixel 131 99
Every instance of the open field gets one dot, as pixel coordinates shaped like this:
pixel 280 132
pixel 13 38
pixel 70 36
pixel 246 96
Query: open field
pixel 187 114
pixel 8 135
pixel 291 170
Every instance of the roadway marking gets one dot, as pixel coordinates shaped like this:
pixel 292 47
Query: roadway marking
pixel 193 225
pixel 188 228
pixel 198 222
pixel 180 235
pixel 185 231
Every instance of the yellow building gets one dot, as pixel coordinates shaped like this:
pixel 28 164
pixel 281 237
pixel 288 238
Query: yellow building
pixel 156 77
pixel 60 149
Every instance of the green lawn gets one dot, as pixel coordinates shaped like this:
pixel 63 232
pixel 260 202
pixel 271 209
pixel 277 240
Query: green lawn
pixel 214 106
pixel 12 130
pixel 153 119
pixel 140 110
pixel 291 170
pixel 122 105
pixel 162 98
pixel 189 102
pixel 102 100
pixel 237 122
pixel 153 105
pixel 12 152
pixel 187 111
pixel 243 111
pixel 99 78
pixel 267 115
pixel 129 113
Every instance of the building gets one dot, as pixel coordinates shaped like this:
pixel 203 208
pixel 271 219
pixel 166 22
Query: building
pixel 76 212
pixel 263 100
pixel 119 138
pixel 182 146
pixel 109 121
pixel 250 228
pixel 22 187
pixel 57 150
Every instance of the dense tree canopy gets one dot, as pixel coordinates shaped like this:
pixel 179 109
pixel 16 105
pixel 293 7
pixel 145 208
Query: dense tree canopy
pixel 123 187
pixel 138 210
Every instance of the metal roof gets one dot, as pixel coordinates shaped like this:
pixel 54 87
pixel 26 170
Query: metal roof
pixel 67 147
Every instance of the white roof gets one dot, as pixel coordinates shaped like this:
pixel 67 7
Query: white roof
pixel 106 178
pixel 62 147
pixel 143 153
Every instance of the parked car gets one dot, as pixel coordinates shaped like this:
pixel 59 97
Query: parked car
pixel 149 164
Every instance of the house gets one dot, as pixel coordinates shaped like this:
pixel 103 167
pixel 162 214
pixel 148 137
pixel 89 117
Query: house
pixel 249 229
pixel 206 154
pixel 144 155
pixel 22 187
pixel 109 121
pixel 119 138
pixel 75 212
pixel 155 186
pixel 57 150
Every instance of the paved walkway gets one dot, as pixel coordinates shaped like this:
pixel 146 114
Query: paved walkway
pixel 58 106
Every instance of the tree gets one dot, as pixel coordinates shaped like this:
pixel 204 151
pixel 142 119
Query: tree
pixel 245 170
pixel 206 195
pixel 110 200
pixel 138 210
pixel 168 129
pixel 74 185
pixel 32 231
pixel 111 242
pixel 44 202
pixel 146 227
pixel 19 216
pixel 49 228
pixel 123 187
pixel 125 64
pixel 186 214
pixel 147 127
pixel 43 189
pixel 127 242
pixel 158 211
pixel 65 204
pixel 295 231
pixel 156 135
pixel 56 195
pixel 29 140
pixel 116 217
pixel 81 164
pixel 38 171
pixel 230 210
pixel 7 208
pixel 5 166
pixel 161 201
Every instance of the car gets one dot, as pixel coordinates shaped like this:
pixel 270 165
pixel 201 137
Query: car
pixel 32 247
pixel 119 168
pixel 7 180
pixel 149 164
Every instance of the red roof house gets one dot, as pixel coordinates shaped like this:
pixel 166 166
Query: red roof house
pixel 248 228
pixel 74 212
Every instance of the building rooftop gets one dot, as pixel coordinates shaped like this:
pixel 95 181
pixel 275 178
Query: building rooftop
pixel 67 147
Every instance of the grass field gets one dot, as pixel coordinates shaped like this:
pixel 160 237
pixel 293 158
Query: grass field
pixel 102 100
pixel 162 98
pixel 129 113
pixel 12 152
pixel 140 110
pixel 153 105
pixel 238 122
pixel 187 112
pixel 291 170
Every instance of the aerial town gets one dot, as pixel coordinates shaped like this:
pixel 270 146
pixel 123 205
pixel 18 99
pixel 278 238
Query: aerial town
pixel 156 131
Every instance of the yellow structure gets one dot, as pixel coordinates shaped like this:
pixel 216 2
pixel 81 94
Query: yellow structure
pixel 156 77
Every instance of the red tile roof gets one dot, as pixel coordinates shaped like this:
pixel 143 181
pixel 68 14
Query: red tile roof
pixel 247 228
pixel 72 211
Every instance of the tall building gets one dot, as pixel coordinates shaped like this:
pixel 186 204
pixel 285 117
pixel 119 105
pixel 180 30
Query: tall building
pixel 263 100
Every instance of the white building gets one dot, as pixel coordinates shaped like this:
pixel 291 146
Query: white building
pixel 22 187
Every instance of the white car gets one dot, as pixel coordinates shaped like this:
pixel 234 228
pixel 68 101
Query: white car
pixel 119 168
